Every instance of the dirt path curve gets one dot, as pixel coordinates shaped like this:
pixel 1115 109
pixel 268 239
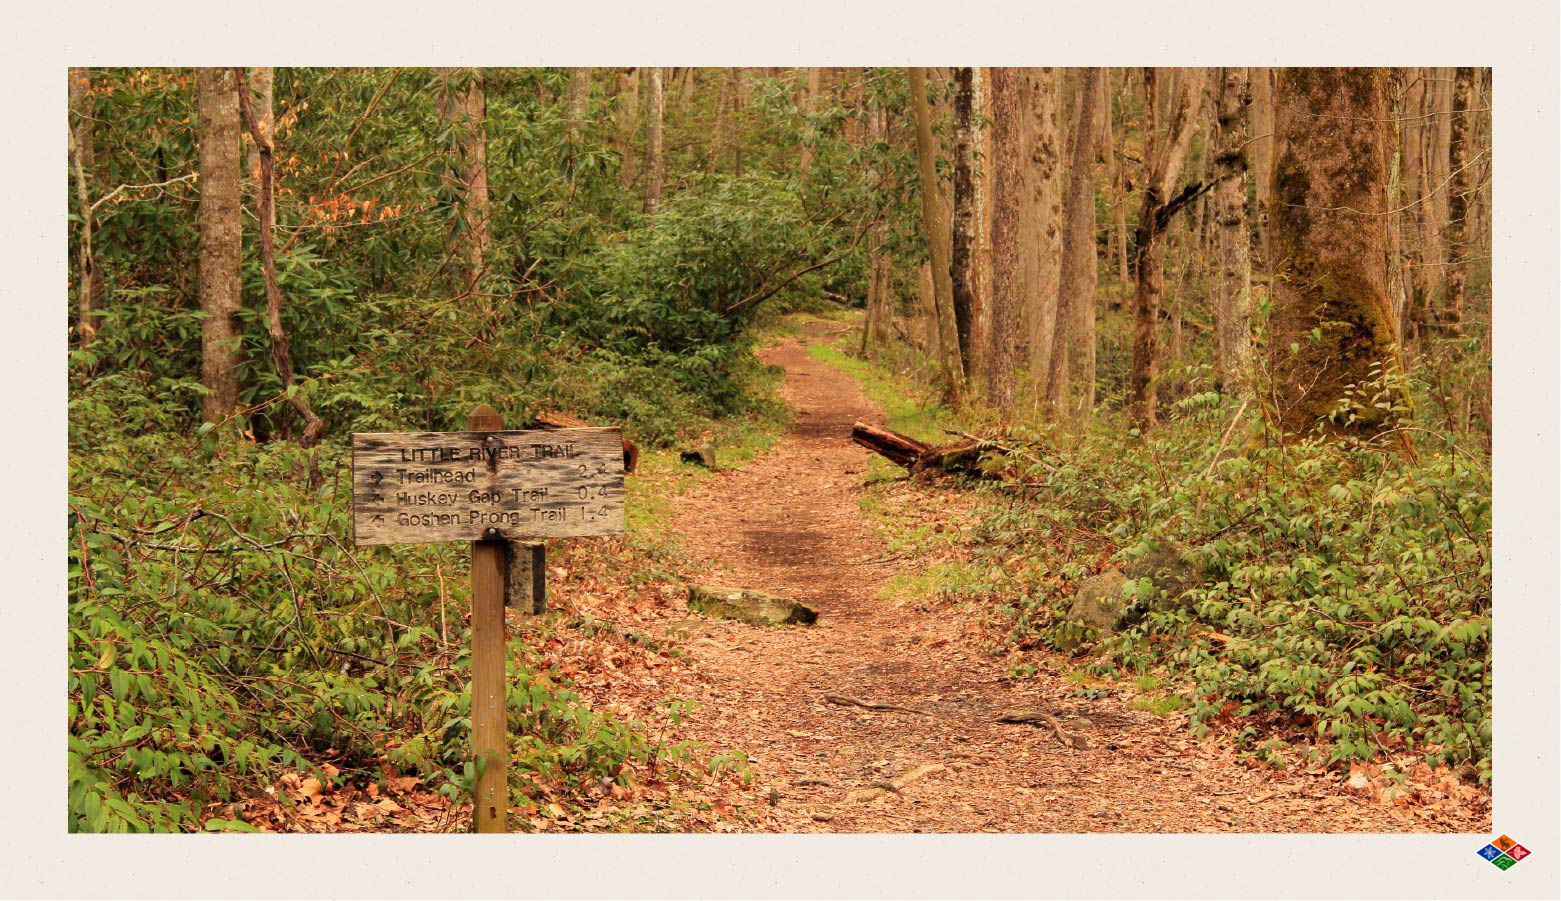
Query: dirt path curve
pixel 790 522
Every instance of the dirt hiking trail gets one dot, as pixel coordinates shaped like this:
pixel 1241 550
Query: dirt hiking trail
pixel 790 522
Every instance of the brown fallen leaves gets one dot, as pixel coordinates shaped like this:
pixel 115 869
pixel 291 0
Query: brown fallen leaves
pixel 300 802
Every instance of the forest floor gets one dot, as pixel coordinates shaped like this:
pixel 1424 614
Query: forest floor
pixel 790 521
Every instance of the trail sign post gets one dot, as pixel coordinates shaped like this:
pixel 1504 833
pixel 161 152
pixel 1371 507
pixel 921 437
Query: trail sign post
pixel 496 489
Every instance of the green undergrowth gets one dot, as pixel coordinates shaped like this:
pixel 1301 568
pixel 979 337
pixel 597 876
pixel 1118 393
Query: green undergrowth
pixel 1332 600
pixel 223 629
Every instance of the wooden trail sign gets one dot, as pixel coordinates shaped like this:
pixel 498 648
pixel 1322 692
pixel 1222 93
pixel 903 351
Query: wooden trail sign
pixel 495 489
pixel 416 487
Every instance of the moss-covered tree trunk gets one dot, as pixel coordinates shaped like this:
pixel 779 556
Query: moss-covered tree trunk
pixel 1332 325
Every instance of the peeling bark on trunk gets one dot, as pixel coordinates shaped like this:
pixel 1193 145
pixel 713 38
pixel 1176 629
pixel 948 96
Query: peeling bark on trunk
pixel 1332 323
pixel 220 241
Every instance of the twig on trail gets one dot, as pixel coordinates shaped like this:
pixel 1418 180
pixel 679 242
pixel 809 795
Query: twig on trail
pixel 1042 718
pixel 844 701
pixel 879 789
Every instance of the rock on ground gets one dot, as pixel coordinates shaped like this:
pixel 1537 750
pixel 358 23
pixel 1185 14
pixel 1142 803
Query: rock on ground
pixel 758 608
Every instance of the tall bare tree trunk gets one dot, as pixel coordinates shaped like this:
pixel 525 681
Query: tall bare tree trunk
pixel 462 102
pixel 935 226
pixel 220 240
pixel 981 316
pixel 962 257
pixel 281 352
pixel 1262 149
pixel 91 287
pixel 1438 179
pixel 626 122
pixel 1233 303
pixel 718 132
pixel 1115 141
pixel 1007 263
pixel 1040 223
pixel 1166 155
pixel 1459 194
pixel 1412 132
pixel 1076 287
pixel 1332 323
pixel 579 98
pixel 739 103
pixel 809 106
pixel 655 155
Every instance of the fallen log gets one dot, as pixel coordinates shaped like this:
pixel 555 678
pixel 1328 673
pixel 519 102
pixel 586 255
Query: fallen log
pixel 901 449
pixel 552 419
pixel 918 456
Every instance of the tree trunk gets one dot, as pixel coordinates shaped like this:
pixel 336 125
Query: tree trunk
pixel 962 257
pixel 809 105
pixel 718 132
pixel 281 352
pixel 1332 325
pixel 626 122
pixel 1262 149
pixel 1459 193
pixel 655 157
pixel 461 101
pixel 1115 140
pixel 1166 154
pixel 981 272
pixel 220 241
pixel 1040 223
pixel 263 105
pixel 1438 182
pixel 739 103
pixel 91 288
pixel 1412 132
pixel 935 228
pixel 1233 302
pixel 1077 282
pixel 579 98
pixel 1007 265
